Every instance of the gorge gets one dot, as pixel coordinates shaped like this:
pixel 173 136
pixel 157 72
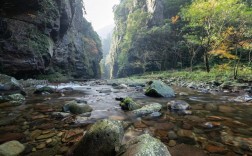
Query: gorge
pixel 173 78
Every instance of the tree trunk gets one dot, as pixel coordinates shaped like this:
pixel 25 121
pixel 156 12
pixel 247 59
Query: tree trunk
pixel 206 62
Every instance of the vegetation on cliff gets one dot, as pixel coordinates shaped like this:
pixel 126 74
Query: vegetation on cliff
pixel 166 34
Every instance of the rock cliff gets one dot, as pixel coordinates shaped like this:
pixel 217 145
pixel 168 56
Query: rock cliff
pixel 46 37
pixel 145 37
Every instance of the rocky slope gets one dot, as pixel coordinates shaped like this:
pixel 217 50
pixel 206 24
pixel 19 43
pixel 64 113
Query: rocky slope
pixel 145 37
pixel 47 37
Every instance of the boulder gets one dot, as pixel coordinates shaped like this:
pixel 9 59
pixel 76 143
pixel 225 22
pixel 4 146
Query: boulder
pixel 76 108
pixel 11 148
pixel 157 88
pixel 103 138
pixel 178 105
pixel 128 104
pixel 144 145
pixel 148 109
pixel 44 89
pixel 9 85
pixel 15 99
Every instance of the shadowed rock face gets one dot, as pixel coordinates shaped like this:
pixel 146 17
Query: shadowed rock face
pixel 46 36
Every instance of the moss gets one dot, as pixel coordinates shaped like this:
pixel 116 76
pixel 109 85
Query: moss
pixel 129 104
pixel 49 11
pixel 38 42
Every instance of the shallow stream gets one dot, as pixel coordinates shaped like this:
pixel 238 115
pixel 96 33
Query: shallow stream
pixel 216 126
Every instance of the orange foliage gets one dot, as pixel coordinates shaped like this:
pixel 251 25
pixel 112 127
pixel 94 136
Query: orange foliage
pixel 175 19
pixel 223 54
pixel 91 46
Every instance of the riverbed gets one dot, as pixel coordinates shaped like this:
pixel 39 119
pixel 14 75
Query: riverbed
pixel 215 125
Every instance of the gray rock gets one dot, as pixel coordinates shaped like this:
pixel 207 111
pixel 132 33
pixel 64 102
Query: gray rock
pixel 172 135
pixel 103 138
pixel 157 88
pixel 9 85
pixel 128 104
pixel 178 105
pixel 76 108
pixel 44 89
pixel 11 148
pixel 144 145
pixel 148 109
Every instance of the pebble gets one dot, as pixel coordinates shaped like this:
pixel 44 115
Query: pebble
pixel 35 134
pixel 49 140
pixel 172 143
pixel 41 146
pixel 214 118
pixel 45 136
pixel 185 133
pixel 172 135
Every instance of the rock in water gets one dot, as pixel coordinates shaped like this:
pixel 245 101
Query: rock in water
pixel 157 88
pixel 103 138
pixel 129 104
pixel 9 85
pixel 148 109
pixel 44 89
pixel 76 108
pixel 178 105
pixel 15 99
pixel 144 145
pixel 11 148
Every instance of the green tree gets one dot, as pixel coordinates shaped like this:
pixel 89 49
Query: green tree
pixel 211 18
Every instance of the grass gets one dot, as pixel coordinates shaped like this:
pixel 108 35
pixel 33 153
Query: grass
pixel 216 74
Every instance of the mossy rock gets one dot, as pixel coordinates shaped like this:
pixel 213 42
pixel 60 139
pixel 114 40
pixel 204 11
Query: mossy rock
pixel 144 145
pixel 157 88
pixel 103 138
pixel 76 108
pixel 148 109
pixel 15 99
pixel 129 105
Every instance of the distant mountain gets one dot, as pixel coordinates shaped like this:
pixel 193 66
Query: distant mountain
pixel 103 32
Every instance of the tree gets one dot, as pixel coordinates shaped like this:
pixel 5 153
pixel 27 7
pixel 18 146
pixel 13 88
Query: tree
pixel 211 18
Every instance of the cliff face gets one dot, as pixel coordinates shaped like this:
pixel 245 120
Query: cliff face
pixel 145 37
pixel 45 37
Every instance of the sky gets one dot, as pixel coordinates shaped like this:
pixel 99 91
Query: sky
pixel 100 12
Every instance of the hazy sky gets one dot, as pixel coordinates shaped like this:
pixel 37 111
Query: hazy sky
pixel 99 12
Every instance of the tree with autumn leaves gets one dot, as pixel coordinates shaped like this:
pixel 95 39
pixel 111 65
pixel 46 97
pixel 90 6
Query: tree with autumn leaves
pixel 219 27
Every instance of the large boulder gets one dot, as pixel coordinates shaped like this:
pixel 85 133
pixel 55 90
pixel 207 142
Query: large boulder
pixel 9 85
pixel 128 104
pixel 148 109
pixel 76 108
pixel 103 138
pixel 144 145
pixel 157 88
pixel 11 148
